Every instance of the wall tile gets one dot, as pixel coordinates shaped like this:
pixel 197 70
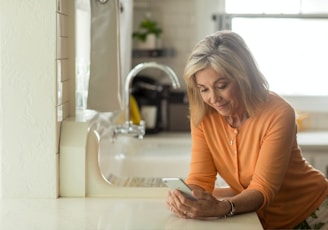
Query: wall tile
pixel 62 25
pixel 63 6
pixel 59 92
pixel 63 69
pixel 176 19
pixel 65 95
pixel 62 47
pixel 62 111
pixel 58 125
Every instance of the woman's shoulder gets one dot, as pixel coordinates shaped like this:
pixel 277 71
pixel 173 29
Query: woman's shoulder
pixel 276 103
pixel 275 108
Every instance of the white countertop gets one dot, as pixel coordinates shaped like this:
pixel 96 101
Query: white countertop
pixel 111 214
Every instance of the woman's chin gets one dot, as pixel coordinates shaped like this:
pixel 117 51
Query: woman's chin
pixel 223 112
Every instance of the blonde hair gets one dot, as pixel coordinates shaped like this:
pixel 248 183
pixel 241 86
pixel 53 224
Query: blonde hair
pixel 227 53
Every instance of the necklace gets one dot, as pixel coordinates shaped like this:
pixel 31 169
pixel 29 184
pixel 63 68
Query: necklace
pixel 230 139
pixel 235 126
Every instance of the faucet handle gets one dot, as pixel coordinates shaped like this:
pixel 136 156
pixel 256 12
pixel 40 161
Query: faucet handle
pixel 142 129
pixel 142 123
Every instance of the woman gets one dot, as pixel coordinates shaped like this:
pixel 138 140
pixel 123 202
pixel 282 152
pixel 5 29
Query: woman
pixel 247 135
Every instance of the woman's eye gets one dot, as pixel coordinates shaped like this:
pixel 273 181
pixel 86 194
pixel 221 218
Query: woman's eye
pixel 222 86
pixel 202 90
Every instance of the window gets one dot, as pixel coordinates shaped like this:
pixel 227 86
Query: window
pixel 289 44
pixel 288 39
pixel 291 52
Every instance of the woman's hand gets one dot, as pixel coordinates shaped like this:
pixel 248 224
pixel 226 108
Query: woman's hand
pixel 204 206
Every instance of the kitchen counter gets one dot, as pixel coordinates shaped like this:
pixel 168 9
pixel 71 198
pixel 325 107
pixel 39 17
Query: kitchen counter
pixel 99 213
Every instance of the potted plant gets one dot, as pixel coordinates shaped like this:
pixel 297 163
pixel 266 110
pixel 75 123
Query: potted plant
pixel 148 34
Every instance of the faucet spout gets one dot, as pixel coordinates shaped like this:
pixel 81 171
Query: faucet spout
pixel 173 77
pixel 138 130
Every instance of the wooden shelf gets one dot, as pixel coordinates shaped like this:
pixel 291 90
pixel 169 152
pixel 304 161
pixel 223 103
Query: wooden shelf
pixel 153 53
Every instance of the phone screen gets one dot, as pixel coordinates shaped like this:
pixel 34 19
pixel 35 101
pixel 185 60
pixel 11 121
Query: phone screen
pixel 179 184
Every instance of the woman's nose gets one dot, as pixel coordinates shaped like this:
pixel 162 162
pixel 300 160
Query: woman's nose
pixel 214 96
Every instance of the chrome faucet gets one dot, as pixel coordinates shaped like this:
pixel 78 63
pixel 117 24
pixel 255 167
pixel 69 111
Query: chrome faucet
pixel 128 128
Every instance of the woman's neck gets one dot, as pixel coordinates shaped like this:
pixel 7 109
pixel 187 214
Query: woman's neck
pixel 235 121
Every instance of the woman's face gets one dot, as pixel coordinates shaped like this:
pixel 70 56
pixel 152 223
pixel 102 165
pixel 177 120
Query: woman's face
pixel 219 92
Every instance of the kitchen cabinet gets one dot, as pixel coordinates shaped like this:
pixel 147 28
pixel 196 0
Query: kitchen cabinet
pixel 318 159
pixel 314 145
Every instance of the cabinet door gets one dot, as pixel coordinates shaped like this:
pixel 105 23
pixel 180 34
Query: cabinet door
pixel 309 157
pixel 321 162
pixel 318 159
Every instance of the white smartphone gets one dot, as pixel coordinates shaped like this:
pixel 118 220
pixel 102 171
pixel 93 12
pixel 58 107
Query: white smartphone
pixel 179 184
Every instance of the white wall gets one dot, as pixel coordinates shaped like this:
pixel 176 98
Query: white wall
pixel 203 20
pixel 1 19
pixel 28 98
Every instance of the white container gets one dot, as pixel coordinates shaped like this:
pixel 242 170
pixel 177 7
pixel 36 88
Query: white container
pixel 149 44
pixel 149 114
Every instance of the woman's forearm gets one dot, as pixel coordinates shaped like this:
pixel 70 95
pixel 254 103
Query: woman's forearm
pixel 222 193
pixel 247 201
pixel 222 202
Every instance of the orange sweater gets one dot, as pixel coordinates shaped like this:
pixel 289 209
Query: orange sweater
pixel 264 156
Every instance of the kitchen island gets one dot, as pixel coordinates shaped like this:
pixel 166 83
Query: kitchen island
pixel 104 213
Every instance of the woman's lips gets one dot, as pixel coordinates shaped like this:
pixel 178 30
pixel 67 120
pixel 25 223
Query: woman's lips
pixel 221 106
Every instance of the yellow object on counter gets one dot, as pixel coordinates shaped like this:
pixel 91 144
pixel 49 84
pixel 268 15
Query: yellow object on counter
pixel 135 116
pixel 302 121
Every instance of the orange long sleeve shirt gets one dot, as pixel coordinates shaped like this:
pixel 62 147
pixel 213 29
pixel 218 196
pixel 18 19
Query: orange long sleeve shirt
pixel 261 155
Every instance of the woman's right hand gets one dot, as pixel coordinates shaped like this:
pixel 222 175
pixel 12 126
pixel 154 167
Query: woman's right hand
pixel 176 201
pixel 204 206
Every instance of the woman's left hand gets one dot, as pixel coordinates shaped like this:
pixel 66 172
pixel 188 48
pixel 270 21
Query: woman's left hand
pixel 204 206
